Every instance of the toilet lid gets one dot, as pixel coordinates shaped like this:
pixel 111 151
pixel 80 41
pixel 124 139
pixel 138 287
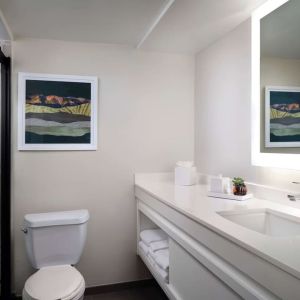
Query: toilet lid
pixel 56 282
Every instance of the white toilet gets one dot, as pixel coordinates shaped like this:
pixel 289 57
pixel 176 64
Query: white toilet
pixel 54 243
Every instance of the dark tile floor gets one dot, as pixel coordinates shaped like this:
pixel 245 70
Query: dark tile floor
pixel 151 292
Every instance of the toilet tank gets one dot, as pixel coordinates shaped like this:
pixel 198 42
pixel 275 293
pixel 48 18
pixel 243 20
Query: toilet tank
pixel 55 238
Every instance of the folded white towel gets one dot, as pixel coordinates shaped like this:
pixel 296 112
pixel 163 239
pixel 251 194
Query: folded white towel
pixel 163 274
pixel 152 235
pixel 161 257
pixel 151 253
pixel 159 245
pixel 151 261
pixel 144 247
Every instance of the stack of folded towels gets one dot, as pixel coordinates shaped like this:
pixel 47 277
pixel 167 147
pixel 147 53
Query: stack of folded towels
pixel 155 245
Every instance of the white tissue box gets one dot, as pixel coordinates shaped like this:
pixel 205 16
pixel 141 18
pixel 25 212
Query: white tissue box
pixel 185 175
pixel 220 185
pixel 216 185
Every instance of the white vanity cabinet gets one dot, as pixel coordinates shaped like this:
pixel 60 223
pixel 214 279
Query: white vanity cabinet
pixel 192 280
pixel 205 264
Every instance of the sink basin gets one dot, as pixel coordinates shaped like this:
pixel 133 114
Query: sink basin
pixel 265 221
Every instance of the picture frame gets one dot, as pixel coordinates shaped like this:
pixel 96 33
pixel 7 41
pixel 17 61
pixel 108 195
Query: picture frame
pixel 282 116
pixel 57 112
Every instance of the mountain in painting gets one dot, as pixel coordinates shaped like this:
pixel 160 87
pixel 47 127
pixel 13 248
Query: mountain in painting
pixel 57 119
pixel 285 122
pixel 55 101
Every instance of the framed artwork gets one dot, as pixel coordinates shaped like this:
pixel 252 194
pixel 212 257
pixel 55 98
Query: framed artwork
pixel 57 112
pixel 282 116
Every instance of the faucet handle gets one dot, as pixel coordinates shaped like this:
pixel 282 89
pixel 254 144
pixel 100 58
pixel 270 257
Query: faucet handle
pixel 294 197
pixel 291 197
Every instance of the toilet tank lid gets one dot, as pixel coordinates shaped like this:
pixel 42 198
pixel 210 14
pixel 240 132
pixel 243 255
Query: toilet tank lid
pixel 57 218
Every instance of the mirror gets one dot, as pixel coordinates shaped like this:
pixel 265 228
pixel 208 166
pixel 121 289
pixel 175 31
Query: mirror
pixel 276 84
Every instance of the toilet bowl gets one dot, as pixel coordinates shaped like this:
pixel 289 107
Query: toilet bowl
pixel 57 282
pixel 54 243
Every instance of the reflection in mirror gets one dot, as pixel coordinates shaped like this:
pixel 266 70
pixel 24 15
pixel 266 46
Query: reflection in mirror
pixel 280 79
pixel 280 157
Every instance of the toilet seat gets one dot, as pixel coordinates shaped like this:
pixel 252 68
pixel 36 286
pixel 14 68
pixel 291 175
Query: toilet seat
pixel 55 282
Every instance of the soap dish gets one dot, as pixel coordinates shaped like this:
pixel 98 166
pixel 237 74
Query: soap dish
pixel 230 196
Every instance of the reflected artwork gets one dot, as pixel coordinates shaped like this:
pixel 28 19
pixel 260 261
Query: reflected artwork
pixel 282 117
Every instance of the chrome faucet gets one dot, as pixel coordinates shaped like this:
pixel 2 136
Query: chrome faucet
pixel 296 196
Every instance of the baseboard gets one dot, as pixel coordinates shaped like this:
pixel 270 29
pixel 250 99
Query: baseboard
pixel 119 286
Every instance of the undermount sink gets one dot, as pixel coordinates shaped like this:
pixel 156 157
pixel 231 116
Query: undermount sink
pixel 265 221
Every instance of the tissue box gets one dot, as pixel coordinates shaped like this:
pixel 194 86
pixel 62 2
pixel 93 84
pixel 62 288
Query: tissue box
pixel 185 175
pixel 220 185
pixel 216 184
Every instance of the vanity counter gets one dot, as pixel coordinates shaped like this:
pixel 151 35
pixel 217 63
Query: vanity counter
pixel 193 202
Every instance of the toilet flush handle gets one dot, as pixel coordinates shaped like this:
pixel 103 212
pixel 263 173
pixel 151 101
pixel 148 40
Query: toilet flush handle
pixel 24 230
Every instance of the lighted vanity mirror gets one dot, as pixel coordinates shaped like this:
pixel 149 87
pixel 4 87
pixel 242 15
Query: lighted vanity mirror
pixel 276 84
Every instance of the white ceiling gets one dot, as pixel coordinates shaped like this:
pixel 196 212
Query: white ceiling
pixel 187 27
pixel 191 25
pixel 104 21
pixel 280 32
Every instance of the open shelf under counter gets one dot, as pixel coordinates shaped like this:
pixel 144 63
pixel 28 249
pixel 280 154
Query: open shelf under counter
pixel 170 292
pixel 207 261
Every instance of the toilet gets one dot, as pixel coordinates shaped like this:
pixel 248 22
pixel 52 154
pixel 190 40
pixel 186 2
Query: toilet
pixel 54 243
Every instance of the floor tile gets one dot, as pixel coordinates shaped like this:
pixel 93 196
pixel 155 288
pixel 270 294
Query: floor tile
pixel 152 292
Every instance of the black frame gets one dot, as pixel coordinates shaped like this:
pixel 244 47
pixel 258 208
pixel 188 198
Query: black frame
pixel 5 188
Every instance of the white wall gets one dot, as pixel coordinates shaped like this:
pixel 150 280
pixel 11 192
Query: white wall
pixel 280 71
pixel 222 112
pixel 4 35
pixel 145 124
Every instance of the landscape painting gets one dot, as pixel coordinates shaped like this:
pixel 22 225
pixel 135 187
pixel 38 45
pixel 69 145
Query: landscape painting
pixel 57 112
pixel 282 117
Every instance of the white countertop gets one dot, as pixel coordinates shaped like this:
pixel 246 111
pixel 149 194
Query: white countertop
pixel 193 202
